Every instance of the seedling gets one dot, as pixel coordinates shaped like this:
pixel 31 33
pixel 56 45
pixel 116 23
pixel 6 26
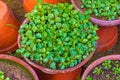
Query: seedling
pixel 97 71
pixel 57 36
pixel 107 64
pixel 2 76
pixel 109 9
pixel 111 66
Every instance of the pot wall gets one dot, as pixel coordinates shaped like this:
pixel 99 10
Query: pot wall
pixel 63 76
pixel 9 26
pixel 66 74
pixel 108 37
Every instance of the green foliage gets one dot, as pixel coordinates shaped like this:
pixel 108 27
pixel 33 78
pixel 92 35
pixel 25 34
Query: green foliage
pixel 97 71
pixel 2 77
pixel 110 9
pixel 88 78
pixel 107 64
pixel 108 76
pixel 57 36
pixel 116 69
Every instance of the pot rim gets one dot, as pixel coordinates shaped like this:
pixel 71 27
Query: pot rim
pixel 100 22
pixel 50 71
pixel 21 62
pixel 15 45
pixel 97 62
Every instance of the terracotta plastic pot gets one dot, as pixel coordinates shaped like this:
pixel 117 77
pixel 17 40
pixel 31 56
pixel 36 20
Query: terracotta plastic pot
pixel 108 37
pixel 49 74
pixel 66 74
pixel 9 26
pixel 97 62
pixel 28 5
pixel 99 22
pixel 20 62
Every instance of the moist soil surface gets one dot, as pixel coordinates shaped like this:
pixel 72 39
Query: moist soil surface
pixel 102 75
pixel 14 71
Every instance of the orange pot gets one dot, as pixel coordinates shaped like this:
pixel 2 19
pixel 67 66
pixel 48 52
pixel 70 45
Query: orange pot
pixel 22 64
pixel 28 5
pixel 49 74
pixel 8 29
pixel 108 37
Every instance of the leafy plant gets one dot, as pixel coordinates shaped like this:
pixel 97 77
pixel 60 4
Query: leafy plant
pixel 109 9
pixel 2 77
pixel 97 70
pixel 107 64
pixel 108 76
pixel 88 78
pixel 116 69
pixel 57 36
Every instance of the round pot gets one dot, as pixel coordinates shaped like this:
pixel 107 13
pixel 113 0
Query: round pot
pixel 97 21
pixel 97 62
pixel 20 62
pixel 108 37
pixel 9 26
pixel 28 5
pixel 49 74
pixel 66 74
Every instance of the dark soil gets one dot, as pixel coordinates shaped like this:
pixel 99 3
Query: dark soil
pixel 105 72
pixel 14 71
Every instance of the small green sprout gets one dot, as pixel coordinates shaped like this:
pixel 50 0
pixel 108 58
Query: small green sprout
pixel 88 78
pixel 107 64
pixel 2 76
pixel 97 70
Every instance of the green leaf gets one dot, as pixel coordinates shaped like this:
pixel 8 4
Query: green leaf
pixel 53 65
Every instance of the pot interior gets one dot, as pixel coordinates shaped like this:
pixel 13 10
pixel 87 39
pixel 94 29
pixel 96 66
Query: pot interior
pixel 14 71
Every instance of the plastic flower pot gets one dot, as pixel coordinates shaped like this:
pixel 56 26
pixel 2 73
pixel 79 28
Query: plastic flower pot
pixel 28 5
pixel 108 37
pixel 97 21
pixel 49 74
pixel 9 26
pixel 97 62
pixel 22 64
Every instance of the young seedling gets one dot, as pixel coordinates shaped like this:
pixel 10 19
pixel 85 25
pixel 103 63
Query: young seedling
pixel 57 36
pixel 97 70
pixel 2 76
pixel 107 64
pixel 109 9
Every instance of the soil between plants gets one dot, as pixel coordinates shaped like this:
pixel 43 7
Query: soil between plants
pixel 14 71
pixel 102 76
